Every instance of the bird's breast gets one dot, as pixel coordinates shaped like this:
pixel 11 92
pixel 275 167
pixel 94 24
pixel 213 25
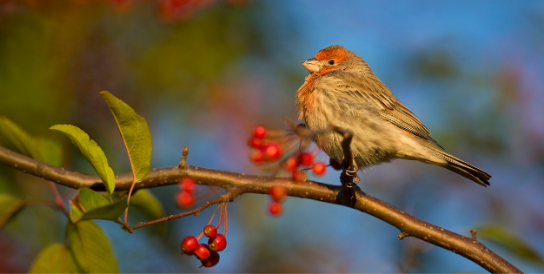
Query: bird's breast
pixel 305 96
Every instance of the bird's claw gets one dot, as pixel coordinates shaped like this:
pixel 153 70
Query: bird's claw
pixel 352 172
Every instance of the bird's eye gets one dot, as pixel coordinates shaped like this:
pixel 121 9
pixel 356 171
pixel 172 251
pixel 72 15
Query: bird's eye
pixel 331 62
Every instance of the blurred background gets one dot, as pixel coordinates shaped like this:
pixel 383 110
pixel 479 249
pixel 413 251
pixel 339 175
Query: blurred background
pixel 203 73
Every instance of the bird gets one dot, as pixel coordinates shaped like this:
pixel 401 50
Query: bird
pixel 341 90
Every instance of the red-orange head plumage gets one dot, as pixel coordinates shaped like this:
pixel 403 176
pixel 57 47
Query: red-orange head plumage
pixel 336 52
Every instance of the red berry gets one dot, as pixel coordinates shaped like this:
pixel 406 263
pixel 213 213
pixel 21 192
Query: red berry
pixel 187 183
pixel 278 193
pixel 217 243
pixel 256 156
pixel 188 245
pixel 185 199
pixel 291 164
pixel 334 164
pixel 202 252
pixel 210 231
pixel 212 260
pixel 255 142
pixel 306 158
pixel 272 151
pixel 319 168
pixel 259 131
pixel 299 176
pixel 275 209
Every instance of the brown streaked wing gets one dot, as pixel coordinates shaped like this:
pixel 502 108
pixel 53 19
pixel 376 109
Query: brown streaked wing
pixel 358 88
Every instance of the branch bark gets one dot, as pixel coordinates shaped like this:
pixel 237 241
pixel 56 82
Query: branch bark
pixel 237 184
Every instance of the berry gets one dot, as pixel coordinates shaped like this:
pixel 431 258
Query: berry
pixel 217 243
pixel 189 245
pixel 187 184
pixel 319 168
pixel 306 158
pixel 272 151
pixel 210 231
pixel 275 209
pixel 256 156
pixel 299 176
pixel 202 252
pixel 334 164
pixel 255 142
pixel 185 199
pixel 291 164
pixel 259 131
pixel 278 193
pixel 212 260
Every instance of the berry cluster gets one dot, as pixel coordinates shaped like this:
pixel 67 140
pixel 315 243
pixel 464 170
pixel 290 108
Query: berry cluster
pixel 265 149
pixel 208 253
pixel 185 197
pixel 278 151
pixel 269 148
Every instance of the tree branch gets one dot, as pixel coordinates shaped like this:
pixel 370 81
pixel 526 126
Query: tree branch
pixel 237 184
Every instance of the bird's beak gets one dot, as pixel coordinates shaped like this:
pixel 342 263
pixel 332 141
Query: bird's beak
pixel 312 65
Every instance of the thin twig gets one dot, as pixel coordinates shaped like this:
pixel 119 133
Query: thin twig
pixel 177 216
pixel 183 161
pixel 473 233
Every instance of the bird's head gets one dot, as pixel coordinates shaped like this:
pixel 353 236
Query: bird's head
pixel 329 59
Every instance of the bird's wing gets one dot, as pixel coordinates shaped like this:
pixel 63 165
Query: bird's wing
pixel 358 88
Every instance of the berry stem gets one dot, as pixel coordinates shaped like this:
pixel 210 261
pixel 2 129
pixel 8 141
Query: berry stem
pixel 209 221
pixel 213 214
pixel 220 217
pixel 226 227
pixel 276 133
pixel 199 235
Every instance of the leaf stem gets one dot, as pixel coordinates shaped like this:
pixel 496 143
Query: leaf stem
pixel 58 199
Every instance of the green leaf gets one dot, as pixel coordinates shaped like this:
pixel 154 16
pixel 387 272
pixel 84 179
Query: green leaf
pixel 90 199
pixel 91 205
pixel 55 258
pixel 109 212
pixel 75 211
pixel 43 150
pixel 135 134
pixel 510 242
pixel 19 138
pixel 149 205
pixel 8 207
pixel 91 247
pixel 91 151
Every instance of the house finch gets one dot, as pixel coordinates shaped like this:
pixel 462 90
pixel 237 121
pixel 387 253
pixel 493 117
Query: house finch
pixel 342 90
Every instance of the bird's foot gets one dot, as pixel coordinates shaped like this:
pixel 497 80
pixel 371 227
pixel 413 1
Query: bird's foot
pixel 349 178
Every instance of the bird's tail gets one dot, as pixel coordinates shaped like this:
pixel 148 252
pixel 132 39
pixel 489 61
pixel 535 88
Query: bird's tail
pixel 463 168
